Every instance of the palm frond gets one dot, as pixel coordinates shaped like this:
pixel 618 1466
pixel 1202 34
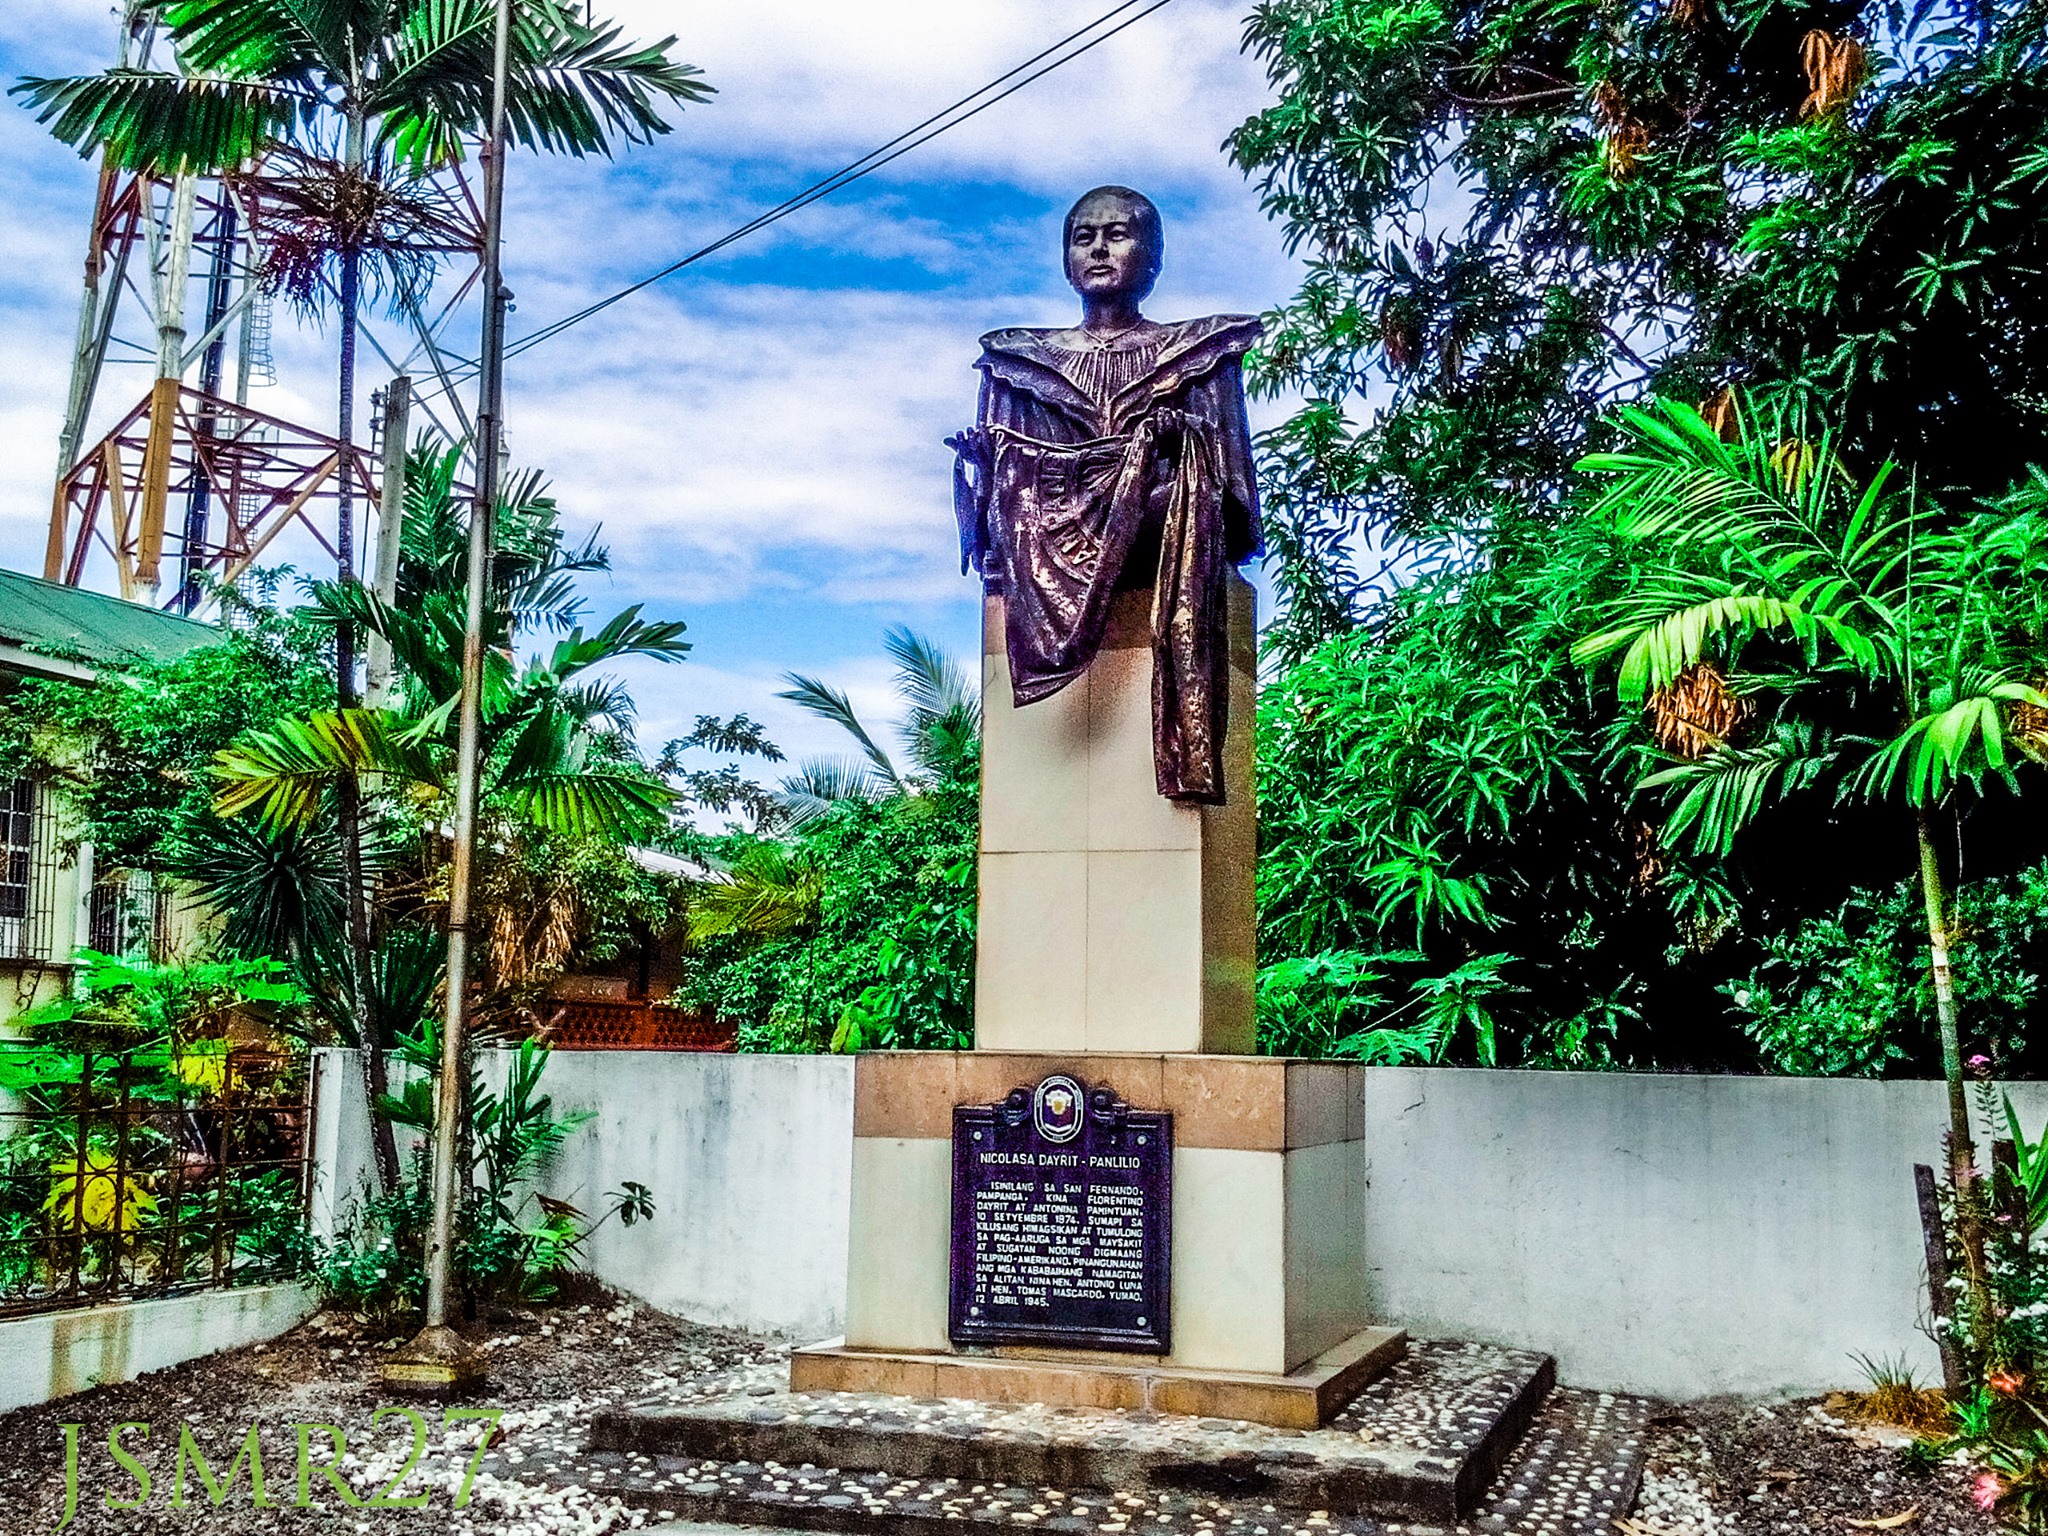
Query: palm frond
pixel 284 772
pixel 769 892
pixel 601 699
pixel 826 702
pixel 1724 791
pixel 626 635
pixel 582 800
pixel 574 89
pixel 942 721
pixel 931 682
pixel 425 640
pixel 146 120
pixel 1661 651
pixel 301 40
pixel 1968 736
pixel 1775 502
pixel 820 783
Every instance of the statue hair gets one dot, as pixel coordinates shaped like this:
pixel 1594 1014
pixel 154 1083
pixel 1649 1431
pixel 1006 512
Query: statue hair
pixel 1144 214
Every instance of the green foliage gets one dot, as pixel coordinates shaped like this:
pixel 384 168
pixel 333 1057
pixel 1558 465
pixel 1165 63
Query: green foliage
pixel 1847 992
pixel 2000 1415
pixel 888 957
pixel 1663 198
pixel 565 793
pixel 419 70
pixel 925 996
pixel 134 751
pixel 1516 215
pixel 118 1005
pixel 143 1151
pixel 1309 1004
pixel 552 753
pixel 1771 533
pixel 277 890
pixel 852 926
pixel 511 1241
pixel 1443 786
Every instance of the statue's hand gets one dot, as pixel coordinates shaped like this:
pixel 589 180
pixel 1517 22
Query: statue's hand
pixel 971 444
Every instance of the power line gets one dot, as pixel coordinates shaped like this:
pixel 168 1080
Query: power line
pixel 911 138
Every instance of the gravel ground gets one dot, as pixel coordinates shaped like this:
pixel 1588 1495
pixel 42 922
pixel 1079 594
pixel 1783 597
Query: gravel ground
pixel 547 1368
pixel 1743 1468
pixel 1715 1469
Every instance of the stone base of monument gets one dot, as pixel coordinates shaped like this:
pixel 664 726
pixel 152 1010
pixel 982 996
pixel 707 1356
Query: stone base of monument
pixel 1245 1235
pixel 1455 1435
pixel 1305 1398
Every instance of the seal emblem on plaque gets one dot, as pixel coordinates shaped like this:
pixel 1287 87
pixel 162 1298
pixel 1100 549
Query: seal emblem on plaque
pixel 1057 1107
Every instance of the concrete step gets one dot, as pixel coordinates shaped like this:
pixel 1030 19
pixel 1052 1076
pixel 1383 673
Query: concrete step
pixel 1573 1474
pixel 1422 1443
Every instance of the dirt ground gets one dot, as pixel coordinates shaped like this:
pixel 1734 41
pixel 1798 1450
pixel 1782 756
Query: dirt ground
pixel 1728 1468
pixel 1733 1467
pixel 549 1369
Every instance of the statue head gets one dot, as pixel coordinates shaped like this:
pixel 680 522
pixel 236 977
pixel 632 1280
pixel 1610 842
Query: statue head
pixel 1114 244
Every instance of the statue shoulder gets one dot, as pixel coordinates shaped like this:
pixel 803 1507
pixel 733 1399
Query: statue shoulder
pixel 1025 341
pixel 1019 359
pixel 1221 335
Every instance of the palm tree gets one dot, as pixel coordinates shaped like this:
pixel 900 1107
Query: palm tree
pixel 1935 632
pixel 357 100
pixel 555 756
pixel 941 731
pixel 353 103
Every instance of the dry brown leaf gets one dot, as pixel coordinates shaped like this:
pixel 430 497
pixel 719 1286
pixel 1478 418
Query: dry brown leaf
pixel 1696 712
pixel 1889 1522
pixel 1624 139
pixel 1836 68
pixel 1718 412
pixel 2029 722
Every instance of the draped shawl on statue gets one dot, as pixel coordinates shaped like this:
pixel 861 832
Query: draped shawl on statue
pixel 1096 470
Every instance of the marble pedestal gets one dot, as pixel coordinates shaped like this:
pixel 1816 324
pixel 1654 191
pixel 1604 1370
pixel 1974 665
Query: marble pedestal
pixel 1111 919
pixel 1268 1271
pixel 1116 944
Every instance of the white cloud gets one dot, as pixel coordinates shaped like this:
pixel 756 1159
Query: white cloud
pixel 810 76
pixel 765 427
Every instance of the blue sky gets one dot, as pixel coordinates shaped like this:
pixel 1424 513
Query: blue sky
pixel 760 435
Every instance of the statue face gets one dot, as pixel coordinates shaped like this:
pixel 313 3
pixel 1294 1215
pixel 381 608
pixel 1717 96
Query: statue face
pixel 1108 252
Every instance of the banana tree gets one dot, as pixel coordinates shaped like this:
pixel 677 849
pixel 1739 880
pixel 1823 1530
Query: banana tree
pixel 1858 602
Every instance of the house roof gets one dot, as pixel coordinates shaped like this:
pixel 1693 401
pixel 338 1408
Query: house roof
pixel 39 616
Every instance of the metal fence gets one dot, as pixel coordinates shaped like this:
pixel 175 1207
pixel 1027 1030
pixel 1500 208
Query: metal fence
pixel 127 1174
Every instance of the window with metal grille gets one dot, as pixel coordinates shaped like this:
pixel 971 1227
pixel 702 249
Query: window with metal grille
pixel 127 918
pixel 25 854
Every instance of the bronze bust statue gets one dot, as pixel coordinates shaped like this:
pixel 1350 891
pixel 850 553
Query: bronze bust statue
pixel 1109 456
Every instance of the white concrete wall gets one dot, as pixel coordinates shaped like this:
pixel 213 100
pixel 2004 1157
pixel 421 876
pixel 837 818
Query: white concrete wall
pixel 53 1354
pixel 1677 1235
pixel 749 1159
pixel 751 1162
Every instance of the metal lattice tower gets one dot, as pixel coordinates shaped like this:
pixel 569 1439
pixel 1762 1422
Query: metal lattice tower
pixel 190 473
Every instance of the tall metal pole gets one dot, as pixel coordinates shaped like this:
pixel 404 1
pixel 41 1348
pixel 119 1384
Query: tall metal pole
pixel 438 1359
pixel 390 530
